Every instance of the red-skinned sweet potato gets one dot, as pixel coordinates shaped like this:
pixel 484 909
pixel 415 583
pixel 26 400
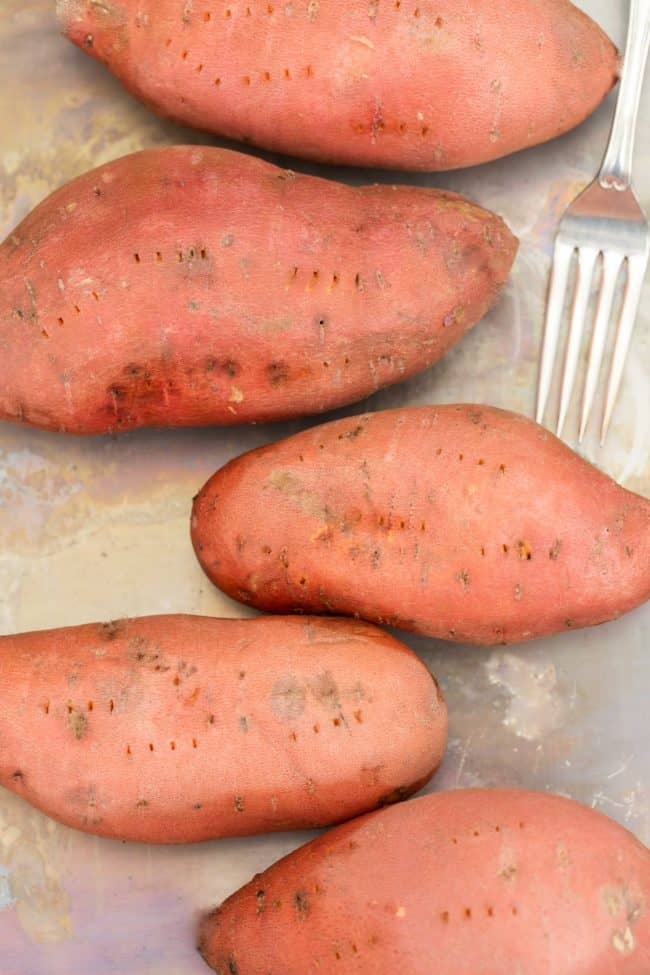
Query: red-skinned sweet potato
pixel 175 729
pixel 476 882
pixel 461 522
pixel 186 286
pixel 411 84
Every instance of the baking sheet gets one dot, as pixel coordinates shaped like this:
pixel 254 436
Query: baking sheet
pixel 98 528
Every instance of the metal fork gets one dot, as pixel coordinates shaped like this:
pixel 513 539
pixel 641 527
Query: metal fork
pixel 606 219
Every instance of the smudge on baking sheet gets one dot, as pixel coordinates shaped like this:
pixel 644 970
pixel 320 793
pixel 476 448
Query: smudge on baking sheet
pixel 536 705
pixel 29 883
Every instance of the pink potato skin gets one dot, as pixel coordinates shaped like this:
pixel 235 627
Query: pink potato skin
pixel 413 84
pixel 175 729
pixel 191 286
pixel 465 523
pixel 476 882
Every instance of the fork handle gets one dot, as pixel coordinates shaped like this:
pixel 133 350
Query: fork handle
pixel 616 171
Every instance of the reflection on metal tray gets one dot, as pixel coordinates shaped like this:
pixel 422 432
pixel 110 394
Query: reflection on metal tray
pixel 98 528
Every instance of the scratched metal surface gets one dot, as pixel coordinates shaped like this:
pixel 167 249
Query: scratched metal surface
pixel 98 528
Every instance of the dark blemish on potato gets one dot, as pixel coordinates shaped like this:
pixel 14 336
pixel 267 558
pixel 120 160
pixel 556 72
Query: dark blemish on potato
pixel 128 750
pixel 232 967
pixel 336 722
pixel 239 804
pixel 293 736
pixel 525 550
pixel 18 777
pixel 358 717
pixel 77 722
pixel 569 624
pixel 502 468
pixel 353 433
pixel 260 897
pixel 301 904
pixel 463 578
pixel 316 729
pixel 467 913
pixel 629 551
pixel 231 368
pixel 151 746
pixel 277 373
pixel 515 911
pixel 505 548
pixel 397 795
pixel 444 917
pixel 288 698
pixel 210 719
pixel 117 392
pixel 197 806
pixel 242 674
pixel 507 873
pixel 243 724
pixel 109 631
pixel 142 803
pixel 555 551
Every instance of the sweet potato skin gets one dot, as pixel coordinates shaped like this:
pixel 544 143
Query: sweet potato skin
pixel 175 729
pixel 476 882
pixel 189 286
pixel 421 86
pixel 465 523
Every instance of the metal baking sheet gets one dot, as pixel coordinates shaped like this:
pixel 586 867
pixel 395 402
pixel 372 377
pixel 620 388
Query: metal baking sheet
pixel 98 528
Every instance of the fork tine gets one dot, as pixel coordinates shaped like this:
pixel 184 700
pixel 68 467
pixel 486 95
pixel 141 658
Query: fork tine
pixel 587 257
pixel 554 314
pixel 612 261
pixel 636 268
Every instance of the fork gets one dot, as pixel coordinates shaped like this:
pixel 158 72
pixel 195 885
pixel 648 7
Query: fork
pixel 606 219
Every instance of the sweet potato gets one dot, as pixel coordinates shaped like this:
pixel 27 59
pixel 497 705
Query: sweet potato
pixel 187 286
pixel 175 729
pixel 411 84
pixel 461 522
pixel 476 882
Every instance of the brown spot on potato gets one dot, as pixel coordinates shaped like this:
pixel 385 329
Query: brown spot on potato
pixel 301 904
pixel 525 550
pixel 111 630
pixel 239 804
pixel 277 373
pixel 508 872
pixel 18 777
pixel 463 578
pixel 260 897
pixel 77 722
pixel 554 552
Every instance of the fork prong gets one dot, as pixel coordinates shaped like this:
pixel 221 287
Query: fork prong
pixel 554 313
pixel 636 268
pixel 612 261
pixel 587 257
